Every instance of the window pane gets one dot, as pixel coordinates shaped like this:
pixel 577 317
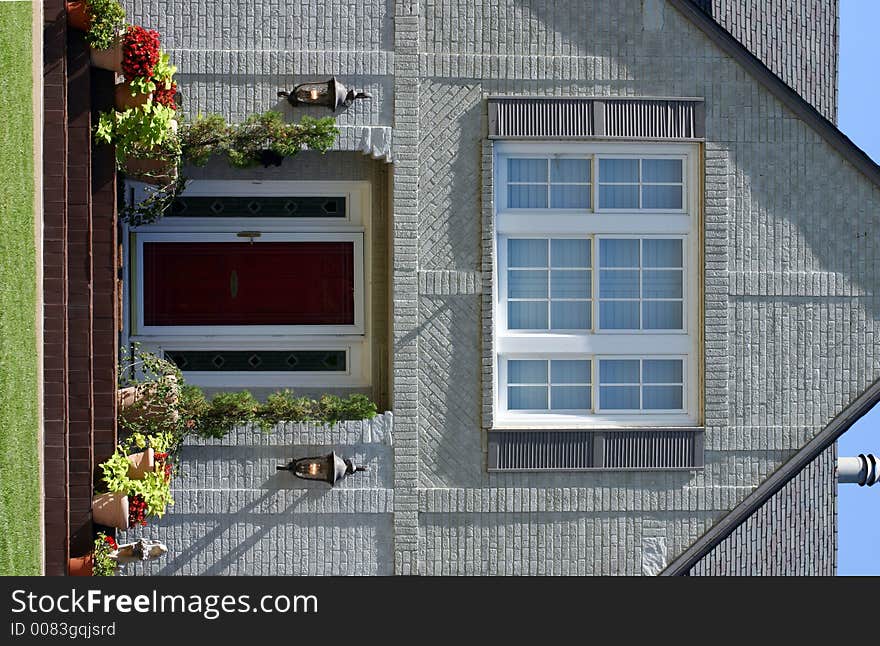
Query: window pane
pixel 618 197
pixel 619 253
pixel 661 170
pixel 527 315
pixel 662 283
pixel 527 170
pixel 619 315
pixel 570 315
pixel 569 197
pixel 618 283
pixel 524 371
pixel 662 371
pixel 570 253
pixel 524 283
pixel 662 397
pixel 619 397
pixel 527 196
pixel 661 197
pixel 569 398
pixel 527 253
pixel 661 315
pixel 661 252
pixel 569 284
pixel 619 371
pixel 527 397
pixel 619 170
pixel 567 371
pixel 570 170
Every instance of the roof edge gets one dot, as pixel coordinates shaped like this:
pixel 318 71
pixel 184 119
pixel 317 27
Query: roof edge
pixel 780 89
pixel 777 480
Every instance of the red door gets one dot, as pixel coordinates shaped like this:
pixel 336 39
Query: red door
pixel 243 283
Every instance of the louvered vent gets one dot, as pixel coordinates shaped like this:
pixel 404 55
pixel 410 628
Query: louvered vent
pixel 544 450
pixel 586 450
pixel 596 117
pixel 542 119
pixel 651 119
pixel 649 450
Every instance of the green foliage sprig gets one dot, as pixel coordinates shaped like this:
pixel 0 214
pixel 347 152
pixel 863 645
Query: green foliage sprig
pixel 104 565
pixel 106 21
pixel 145 132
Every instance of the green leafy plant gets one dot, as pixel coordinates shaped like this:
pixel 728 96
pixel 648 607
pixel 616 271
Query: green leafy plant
pixel 266 138
pixel 150 209
pixel 106 21
pixel 205 136
pixel 162 77
pixel 155 490
pixel 104 563
pixel 283 406
pixel 145 132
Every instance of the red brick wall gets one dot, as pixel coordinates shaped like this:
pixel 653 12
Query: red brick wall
pixel 80 289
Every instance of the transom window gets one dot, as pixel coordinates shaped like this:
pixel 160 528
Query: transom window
pixel 597 291
pixel 568 182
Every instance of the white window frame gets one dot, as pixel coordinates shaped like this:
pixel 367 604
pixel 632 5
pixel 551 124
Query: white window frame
pixel 354 340
pixel 597 344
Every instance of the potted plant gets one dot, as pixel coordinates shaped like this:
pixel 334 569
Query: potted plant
pixel 147 147
pixel 101 561
pixel 111 509
pixel 106 21
pixel 159 85
pixel 129 502
pixel 102 20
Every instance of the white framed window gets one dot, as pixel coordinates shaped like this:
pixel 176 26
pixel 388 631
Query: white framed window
pixel 602 286
pixel 256 284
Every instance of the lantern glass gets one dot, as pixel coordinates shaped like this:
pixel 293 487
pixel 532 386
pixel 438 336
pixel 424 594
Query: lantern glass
pixel 313 93
pixel 312 469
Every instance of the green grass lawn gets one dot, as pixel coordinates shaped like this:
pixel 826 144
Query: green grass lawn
pixel 20 530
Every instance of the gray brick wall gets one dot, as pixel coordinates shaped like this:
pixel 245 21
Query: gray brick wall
pixel 791 311
pixel 797 39
pixel 234 513
pixel 792 534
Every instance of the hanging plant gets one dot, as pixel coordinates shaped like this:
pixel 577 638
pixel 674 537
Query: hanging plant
pixel 262 139
pixel 140 52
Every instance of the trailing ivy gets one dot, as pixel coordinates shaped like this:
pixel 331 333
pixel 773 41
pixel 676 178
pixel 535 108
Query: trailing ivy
pixel 261 139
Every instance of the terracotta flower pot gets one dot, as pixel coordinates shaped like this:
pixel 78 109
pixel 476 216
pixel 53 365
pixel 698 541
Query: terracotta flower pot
pixel 81 565
pixel 123 100
pixel 110 510
pixel 78 16
pixel 150 171
pixel 141 463
pixel 131 402
pixel 108 59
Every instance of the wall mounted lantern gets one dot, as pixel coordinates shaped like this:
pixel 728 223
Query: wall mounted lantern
pixel 329 468
pixel 331 93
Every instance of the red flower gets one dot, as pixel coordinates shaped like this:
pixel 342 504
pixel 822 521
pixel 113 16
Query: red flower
pixel 111 542
pixel 166 97
pixel 160 456
pixel 137 510
pixel 140 52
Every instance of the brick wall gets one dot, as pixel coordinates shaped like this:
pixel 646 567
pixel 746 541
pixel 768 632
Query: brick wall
pixel 790 305
pixel 79 289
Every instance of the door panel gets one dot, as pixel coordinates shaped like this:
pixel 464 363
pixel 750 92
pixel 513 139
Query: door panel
pixel 243 283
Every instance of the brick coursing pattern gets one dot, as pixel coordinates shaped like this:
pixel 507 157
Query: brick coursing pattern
pixel 797 39
pixel 792 534
pixel 234 513
pixel 790 311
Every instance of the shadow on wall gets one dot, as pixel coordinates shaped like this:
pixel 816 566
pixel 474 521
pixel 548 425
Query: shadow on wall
pixel 253 542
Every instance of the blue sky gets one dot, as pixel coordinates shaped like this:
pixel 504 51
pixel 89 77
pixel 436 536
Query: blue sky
pixel 859 507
